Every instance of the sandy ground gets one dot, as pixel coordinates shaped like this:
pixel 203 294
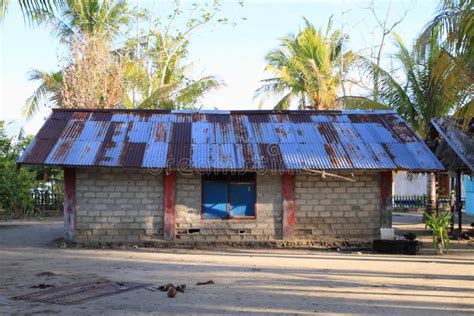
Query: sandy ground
pixel 246 281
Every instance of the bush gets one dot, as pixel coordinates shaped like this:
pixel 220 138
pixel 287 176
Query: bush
pixel 15 185
pixel 439 223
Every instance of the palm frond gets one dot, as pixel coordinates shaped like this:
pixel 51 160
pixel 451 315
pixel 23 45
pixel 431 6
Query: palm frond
pixel 46 94
pixel 360 103
pixel 391 93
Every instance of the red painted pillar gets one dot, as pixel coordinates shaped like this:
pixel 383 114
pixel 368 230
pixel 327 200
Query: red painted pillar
pixel 69 203
pixel 386 188
pixel 169 229
pixel 288 193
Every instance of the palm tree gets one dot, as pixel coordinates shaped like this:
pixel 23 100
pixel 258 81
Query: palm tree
pixel 99 18
pixel 453 29
pixel 162 80
pixel 48 92
pixel 306 69
pixel 417 94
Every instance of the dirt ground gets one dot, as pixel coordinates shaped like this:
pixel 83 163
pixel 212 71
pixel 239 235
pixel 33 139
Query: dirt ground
pixel 246 281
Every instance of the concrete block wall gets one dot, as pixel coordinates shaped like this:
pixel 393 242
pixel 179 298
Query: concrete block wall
pixel 126 205
pixel 190 226
pixel 333 208
pixel 118 205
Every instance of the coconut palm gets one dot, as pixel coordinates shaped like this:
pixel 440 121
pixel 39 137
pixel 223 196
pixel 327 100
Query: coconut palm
pixel 305 69
pixel 453 28
pixel 417 93
pixel 99 18
pixel 162 80
pixel 453 25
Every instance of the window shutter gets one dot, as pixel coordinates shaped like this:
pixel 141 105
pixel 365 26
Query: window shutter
pixel 242 199
pixel 214 200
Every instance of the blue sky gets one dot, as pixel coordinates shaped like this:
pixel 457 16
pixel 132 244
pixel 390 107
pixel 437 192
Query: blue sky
pixel 234 54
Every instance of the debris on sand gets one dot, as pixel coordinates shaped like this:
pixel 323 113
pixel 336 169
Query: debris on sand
pixel 172 292
pixel 205 283
pixel 166 287
pixel 171 289
pixel 41 286
pixel 46 274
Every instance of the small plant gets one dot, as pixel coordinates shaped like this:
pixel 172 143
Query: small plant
pixel 439 223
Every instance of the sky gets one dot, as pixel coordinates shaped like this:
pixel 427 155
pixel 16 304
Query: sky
pixel 235 54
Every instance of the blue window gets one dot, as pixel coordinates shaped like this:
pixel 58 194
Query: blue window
pixel 227 196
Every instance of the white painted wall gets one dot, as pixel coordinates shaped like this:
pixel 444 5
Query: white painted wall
pixel 410 184
pixel 415 184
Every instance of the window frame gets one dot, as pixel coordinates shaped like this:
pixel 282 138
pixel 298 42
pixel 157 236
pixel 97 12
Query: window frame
pixel 228 181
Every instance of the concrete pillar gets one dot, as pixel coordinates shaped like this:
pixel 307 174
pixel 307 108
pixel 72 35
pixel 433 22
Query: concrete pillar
pixel 386 195
pixel 288 193
pixel 69 203
pixel 169 229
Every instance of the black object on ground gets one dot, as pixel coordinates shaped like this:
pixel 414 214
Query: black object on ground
pixel 46 274
pixel 403 247
pixel 410 236
pixel 41 286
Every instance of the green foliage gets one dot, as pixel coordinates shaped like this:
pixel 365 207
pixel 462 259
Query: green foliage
pixel 31 7
pixel 452 28
pixel 439 223
pixel 15 185
pixel 158 74
pixel 155 72
pixel 306 68
pixel 418 95
pixel 160 78
pixel 48 92
pixel 100 18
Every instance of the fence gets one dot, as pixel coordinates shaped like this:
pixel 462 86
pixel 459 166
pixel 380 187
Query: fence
pixel 46 201
pixel 417 201
pixel 407 201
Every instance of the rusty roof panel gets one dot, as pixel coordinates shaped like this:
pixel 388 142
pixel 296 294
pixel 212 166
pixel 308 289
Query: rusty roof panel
pixel 37 151
pixel 461 141
pixel 132 155
pixel 399 129
pixel 237 140
pixel 271 157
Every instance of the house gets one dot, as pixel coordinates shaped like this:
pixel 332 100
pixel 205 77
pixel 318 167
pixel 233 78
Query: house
pixel 454 147
pixel 144 175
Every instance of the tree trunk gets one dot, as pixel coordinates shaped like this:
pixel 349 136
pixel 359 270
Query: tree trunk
pixel 431 193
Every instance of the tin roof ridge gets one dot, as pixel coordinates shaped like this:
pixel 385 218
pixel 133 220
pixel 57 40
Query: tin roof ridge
pixel 227 112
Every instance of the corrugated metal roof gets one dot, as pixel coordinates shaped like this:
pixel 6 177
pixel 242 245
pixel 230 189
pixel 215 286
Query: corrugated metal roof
pixel 461 142
pixel 230 140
